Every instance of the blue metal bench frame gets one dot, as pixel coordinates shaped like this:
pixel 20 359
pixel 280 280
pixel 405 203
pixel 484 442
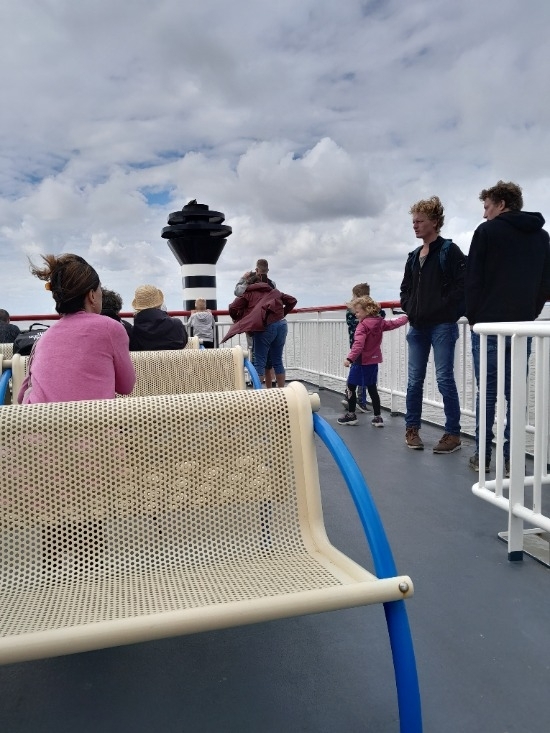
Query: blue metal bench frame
pixel 406 676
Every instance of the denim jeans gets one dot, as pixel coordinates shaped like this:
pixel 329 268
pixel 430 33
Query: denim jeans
pixel 491 390
pixel 270 344
pixel 442 338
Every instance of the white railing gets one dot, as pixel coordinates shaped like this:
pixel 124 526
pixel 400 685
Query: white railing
pixel 525 501
pixel 318 343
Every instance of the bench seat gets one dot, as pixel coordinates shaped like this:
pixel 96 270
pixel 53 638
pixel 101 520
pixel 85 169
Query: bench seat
pixel 137 519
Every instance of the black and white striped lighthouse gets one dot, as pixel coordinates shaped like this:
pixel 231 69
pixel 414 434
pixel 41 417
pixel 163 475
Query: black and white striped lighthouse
pixel 197 237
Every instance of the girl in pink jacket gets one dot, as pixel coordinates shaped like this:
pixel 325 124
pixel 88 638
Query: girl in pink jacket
pixel 365 355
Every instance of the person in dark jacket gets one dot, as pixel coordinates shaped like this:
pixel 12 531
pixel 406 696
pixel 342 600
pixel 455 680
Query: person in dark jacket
pixel 8 331
pixel 154 329
pixel 430 297
pixel 261 310
pixel 507 279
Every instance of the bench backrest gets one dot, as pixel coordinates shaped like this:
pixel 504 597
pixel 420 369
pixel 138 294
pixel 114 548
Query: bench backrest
pixel 175 372
pixel 214 472
pixel 6 353
pixel 193 342
pixel 171 372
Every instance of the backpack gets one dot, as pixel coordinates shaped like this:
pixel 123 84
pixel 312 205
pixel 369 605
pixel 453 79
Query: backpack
pixel 443 263
pixel 26 339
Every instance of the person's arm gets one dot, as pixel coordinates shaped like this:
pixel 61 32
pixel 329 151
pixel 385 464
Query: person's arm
pixel 458 276
pixel 289 302
pixel 237 308
pixel 358 342
pixel 241 286
pixel 185 335
pixel 394 323
pixel 544 289
pixel 475 274
pixel 125 374
pixel 406 286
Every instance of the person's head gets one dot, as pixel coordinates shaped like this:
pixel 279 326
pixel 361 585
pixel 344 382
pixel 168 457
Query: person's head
pixel 252 278
pixel 262 268
pixel 428 218
pixel 4 316
pixel 147 296
pixel 501 197
pixel 364 307
pixel 73 283
pixel 360 290
pixel 111 301
pixel 200 304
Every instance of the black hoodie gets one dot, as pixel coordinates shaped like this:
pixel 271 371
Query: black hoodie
pixel 508 269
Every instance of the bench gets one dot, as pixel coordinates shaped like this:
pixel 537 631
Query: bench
pixel 205 370
pixel 173 372
pixel 144 518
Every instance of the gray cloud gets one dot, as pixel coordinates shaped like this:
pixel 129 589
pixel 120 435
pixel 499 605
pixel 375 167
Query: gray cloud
pixel 313 126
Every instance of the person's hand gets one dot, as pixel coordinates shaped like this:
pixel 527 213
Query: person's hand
pixel 347 363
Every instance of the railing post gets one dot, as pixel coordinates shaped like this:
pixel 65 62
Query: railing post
pixel 518 397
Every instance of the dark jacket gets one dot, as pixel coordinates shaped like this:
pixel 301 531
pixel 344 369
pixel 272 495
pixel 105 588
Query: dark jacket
pixel 508 271
pixel 8 333
pixel 258 307
pixel 430 296
pixel 155 330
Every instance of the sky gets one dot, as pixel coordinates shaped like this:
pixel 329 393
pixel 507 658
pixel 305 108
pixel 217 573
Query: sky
pixel 312 125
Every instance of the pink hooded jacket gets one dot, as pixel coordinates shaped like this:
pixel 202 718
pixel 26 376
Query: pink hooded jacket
pixel 368 338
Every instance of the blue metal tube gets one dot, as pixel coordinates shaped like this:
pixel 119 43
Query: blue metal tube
pixel 4 381
pixel 404 663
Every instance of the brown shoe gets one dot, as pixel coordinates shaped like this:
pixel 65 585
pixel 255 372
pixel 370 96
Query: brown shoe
pixel 412 439
pixel 448 444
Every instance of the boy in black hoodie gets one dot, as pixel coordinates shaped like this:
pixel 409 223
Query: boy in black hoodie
pixel 507 279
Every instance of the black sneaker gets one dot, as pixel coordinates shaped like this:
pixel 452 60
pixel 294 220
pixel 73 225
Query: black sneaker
pixel 377 421
pixel 474 463
pixel 350 418
pixel 363 407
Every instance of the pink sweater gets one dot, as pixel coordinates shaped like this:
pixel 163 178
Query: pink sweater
pixel 368 338
pixel 83 356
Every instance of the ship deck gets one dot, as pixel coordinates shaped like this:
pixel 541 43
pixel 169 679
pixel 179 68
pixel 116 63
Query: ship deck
pixel 480 626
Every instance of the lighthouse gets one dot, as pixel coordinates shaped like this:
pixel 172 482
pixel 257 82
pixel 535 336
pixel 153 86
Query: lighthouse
pixel 196 235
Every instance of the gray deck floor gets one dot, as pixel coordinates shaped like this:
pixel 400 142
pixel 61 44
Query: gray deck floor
pixel 481 628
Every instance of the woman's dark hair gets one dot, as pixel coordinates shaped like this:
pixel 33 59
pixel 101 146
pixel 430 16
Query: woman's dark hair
pixel 70 278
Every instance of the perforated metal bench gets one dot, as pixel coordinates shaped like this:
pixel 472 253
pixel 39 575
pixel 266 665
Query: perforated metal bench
pixel 174 372
pixel 137 519
pixel 204 370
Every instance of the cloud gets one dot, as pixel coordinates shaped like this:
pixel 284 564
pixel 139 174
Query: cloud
pixel 312 126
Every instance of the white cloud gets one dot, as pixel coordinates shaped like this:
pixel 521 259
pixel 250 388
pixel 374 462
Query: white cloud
pixel 313 126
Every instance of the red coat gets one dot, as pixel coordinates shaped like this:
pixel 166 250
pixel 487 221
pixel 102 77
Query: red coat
pixel 258 307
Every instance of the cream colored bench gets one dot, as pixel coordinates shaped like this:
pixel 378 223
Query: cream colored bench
pixel 171 372
pixel 174 372
pixel 6 353
pixel 149 517
pixel 193 342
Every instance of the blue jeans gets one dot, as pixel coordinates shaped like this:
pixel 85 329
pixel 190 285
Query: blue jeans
pixel 270 343
pixel 442 338
pixel 491 391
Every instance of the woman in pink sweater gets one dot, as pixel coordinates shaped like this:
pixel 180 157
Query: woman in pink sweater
pixel 84 355
pixel 365 355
